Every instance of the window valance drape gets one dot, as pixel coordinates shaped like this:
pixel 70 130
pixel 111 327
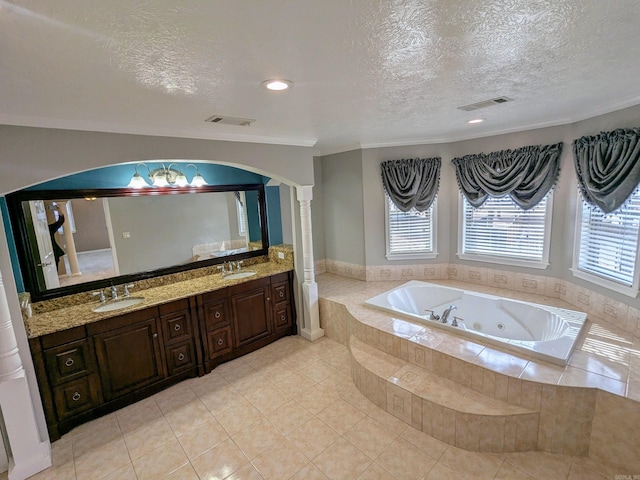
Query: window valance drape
pixel 525 174
pixel 608 167
pixel 411 183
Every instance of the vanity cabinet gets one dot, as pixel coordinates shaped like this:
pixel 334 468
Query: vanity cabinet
pixel 88 371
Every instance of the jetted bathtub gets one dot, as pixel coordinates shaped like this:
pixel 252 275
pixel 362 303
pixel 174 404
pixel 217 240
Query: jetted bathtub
pixel 542 331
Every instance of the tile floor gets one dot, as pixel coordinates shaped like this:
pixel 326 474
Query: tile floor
pixel 287 411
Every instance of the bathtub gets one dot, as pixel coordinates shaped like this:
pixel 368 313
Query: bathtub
pixel 541 331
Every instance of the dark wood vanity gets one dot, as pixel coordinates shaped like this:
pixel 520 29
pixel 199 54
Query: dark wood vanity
pixel 90 370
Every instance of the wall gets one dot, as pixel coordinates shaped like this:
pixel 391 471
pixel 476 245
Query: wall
pixel 343 206
pixel 91 230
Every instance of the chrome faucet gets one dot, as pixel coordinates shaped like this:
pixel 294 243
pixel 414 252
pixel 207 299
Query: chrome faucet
pixel 114 292
pixel 445 314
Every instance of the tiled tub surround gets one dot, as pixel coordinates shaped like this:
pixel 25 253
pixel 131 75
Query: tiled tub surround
pixel 589 407
pixel 593 303
pixel 545 332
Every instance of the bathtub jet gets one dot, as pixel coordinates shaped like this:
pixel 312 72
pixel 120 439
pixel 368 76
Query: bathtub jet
pixel 542 331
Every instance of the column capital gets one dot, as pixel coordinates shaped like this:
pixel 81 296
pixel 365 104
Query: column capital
pixel 304 192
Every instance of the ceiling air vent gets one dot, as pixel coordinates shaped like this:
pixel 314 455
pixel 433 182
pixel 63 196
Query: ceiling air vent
pixel 485 103
pixel 237 121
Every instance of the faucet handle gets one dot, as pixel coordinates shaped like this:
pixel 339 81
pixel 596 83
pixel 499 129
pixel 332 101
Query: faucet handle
pixel 432 315
pixel 238 264
pixel 101 295
pixel 126 289
pixel 221 267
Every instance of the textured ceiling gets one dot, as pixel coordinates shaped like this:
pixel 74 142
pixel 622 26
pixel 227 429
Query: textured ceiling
pixel 366 72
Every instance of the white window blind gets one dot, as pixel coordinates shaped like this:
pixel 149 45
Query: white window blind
pixel 608 243
pixel 409 233
pixel 502 229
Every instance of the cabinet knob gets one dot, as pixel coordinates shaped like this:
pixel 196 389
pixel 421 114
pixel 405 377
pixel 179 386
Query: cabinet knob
pixel 217 315
pixel 281 294
pixel 69 362
pixel 220 341
pixel 76 396
pixel 177 327
pixel 268 299
pixel 155 335
pixel 181 357
pixel 283 318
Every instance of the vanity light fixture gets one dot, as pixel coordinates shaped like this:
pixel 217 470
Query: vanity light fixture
pixel 166 177
pixel 277 84
pixel 475 120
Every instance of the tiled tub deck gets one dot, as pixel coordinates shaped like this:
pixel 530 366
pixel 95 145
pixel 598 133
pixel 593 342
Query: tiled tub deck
pixel 481 398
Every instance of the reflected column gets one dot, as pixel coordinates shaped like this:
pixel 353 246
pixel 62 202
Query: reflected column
pixel 70 243
pixel 311 330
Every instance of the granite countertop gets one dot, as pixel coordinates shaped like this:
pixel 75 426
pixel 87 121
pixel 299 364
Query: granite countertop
pixel 78 315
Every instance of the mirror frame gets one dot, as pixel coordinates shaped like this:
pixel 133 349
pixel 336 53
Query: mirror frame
pixel 26 255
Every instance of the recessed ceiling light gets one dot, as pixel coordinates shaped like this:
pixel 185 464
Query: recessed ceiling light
pixel 476 120
pixel 277 84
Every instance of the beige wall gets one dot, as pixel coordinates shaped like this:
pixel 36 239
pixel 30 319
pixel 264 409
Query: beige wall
pixel 91 228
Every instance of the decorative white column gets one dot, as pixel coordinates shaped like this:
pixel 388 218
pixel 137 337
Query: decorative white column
pixel 311 330
pixel 27 454
pixel 70 243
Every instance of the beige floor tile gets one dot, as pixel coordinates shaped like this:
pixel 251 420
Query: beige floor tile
pixel 148 437
pixel 339 383
pixel 540 465
pixel 276 371
pixel 388 421
pixel 313 437
pixel 295 384
pixel 317 370
pixel 174 397
pixel 250 383
pixel 342 461
pixel 289 416
pixel 309 472
pixel 475 465
pixel 281 461
pixel 239 416
pixel 160 462
pixel 187 417
pixel 202 438
pixel 370 437
pixel 247 472
pixel 220 400
pixel 317 399
pixel 375 472
pixel 103 460
pixel 403 460
pixel 358 400
pixel 137 415
pixel 219 461
pixel 258 437
pixel 234 370
pixel 124 473
pixel 429 445
pixel 509 472
pixel 581 378
pixel 186 472
pixel 94 435
pixel 267 399
pixel 62 452
pixel 442 472
pixel 587 469
pixel 64 472
pixel 341 416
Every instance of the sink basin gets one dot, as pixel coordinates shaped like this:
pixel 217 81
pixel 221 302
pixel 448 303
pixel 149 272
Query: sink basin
pixel 118 304
pixel 236 276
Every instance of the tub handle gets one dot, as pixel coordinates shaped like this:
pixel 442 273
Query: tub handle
pixel 456 320
pixel 432 315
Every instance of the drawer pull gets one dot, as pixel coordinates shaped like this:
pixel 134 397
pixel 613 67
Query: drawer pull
pixel 281 294
pixel 217 315
pixel 282 318
pixel 76 396
pixel 177 327
pixel 155 335
pixel 69 362
pixel 220 341
pixel 181 357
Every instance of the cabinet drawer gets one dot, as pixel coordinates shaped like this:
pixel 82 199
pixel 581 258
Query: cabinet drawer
pixel 176 327
pixel 282 318
pixel 180 357
pixel 216 315
pixel 76 396
pixel 68 362
pixel 219 342
pixel 280 292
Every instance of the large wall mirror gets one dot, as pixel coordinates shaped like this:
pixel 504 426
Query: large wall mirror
pixel 71 241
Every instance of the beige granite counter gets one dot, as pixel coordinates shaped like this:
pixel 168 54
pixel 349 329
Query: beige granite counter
pixel 73 316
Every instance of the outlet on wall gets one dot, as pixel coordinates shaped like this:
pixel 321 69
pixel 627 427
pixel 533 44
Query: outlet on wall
pixel 126 234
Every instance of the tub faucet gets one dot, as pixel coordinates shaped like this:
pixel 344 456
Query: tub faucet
pixel 445 314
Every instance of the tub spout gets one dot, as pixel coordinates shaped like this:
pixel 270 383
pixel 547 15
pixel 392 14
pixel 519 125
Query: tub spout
pixel 445 314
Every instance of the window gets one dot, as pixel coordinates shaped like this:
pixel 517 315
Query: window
pixel 606 245
pixel 410 234
pixel 501 232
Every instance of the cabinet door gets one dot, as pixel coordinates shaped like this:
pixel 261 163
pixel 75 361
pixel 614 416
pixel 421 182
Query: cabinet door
pixel 129 358
pixel 251 315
